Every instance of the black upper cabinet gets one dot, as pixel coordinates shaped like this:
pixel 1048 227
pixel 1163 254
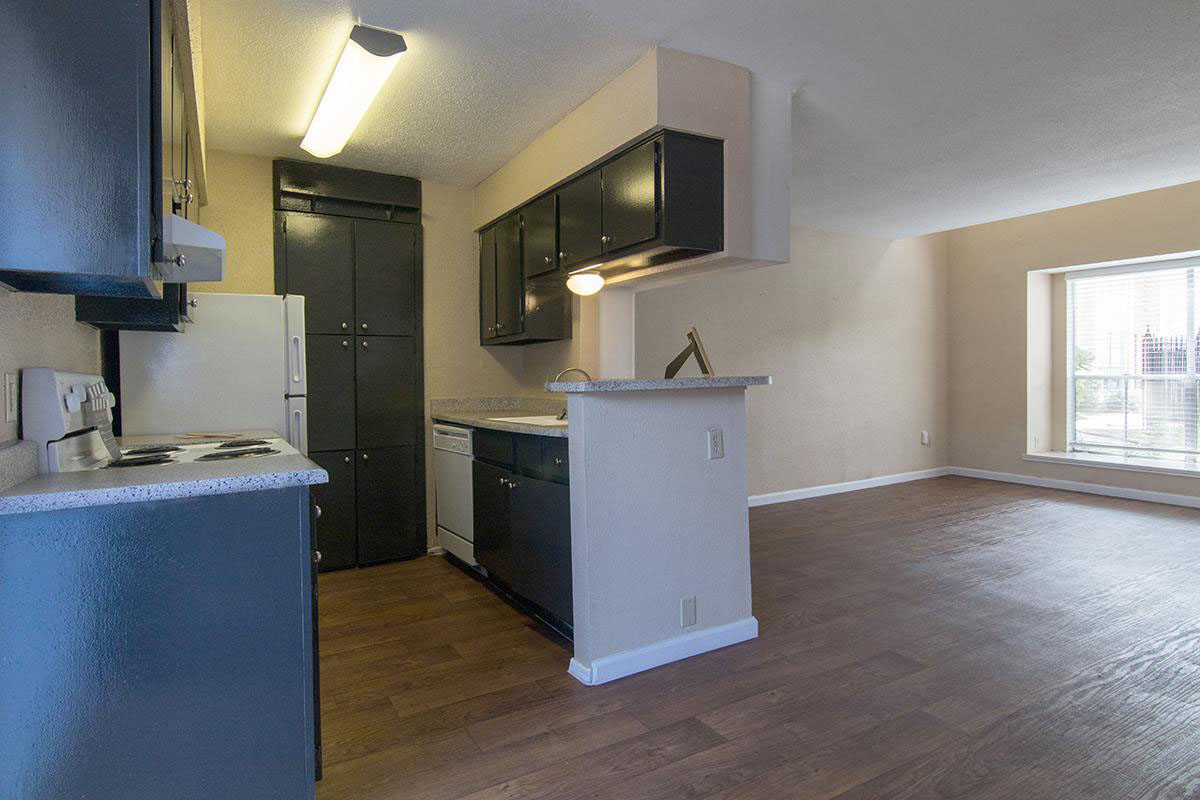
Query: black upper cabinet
pixel 330 360
pixel 82 105
pixel 335 530
pixel 631 200
pixel 487 284
pixel 580 226
pixel 319 252
pixel 391 498
pixel 384 278
pixel 509 284
pixel 167 314
pixel 387 396
pixel 539 225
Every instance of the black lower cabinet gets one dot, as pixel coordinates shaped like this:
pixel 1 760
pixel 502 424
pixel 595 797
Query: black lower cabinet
pixel 523 533
pixel 389 495
pixel 336 528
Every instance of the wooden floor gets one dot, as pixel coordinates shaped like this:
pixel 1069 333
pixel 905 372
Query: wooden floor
pixel 950 638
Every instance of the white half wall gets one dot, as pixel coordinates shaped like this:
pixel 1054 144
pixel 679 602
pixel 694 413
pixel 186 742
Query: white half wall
pixel 654 521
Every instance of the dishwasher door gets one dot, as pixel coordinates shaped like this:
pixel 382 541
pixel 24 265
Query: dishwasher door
pixel 453 489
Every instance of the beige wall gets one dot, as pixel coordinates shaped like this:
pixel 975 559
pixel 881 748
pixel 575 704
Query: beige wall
pixel 39 330
pixel 988 296
pixel 855 332
pixel 240 209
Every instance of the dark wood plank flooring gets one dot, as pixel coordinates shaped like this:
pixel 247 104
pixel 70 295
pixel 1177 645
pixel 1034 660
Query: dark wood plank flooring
pixel 949 638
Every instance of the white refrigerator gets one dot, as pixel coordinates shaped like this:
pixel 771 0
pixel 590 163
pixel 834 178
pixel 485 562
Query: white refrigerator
pixel 238 366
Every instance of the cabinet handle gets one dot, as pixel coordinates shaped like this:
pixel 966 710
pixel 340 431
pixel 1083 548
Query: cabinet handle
pixel 345 343
pixel 503 482
pixel 364 326
pixel 548 260
pixel 557 462
pixel 365 457
pixel 499 325
pixel 345 326
pixel 605 239
pixel 316 511
pixel 513 484
pixel 562 255
pixel 316 556
pixel 346 459
pixel 364 344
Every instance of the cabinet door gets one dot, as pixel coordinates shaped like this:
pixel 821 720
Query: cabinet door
pixel 579 228
pixel 319 257
pixel 385 383
pixel 493 545
pixel 540 520
pixel 487 284
pixel 510 304
pixel 385 259
pixel 631 197
pixel 388 504
pixel 539 224
pixel 336 534
pixel 331 412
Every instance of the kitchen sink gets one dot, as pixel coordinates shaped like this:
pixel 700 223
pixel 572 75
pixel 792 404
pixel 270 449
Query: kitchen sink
pixel 548 420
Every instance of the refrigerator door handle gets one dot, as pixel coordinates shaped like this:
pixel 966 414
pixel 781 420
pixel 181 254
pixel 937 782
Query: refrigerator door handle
pixel 299 431
pixel 297 360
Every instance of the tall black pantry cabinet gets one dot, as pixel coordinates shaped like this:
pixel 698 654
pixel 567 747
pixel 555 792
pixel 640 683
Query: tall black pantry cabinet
pixel 350 242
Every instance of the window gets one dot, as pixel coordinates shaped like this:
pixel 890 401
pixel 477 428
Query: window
pixel 1132 340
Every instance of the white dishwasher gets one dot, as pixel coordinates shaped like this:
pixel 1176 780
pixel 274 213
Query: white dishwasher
pixel 452 487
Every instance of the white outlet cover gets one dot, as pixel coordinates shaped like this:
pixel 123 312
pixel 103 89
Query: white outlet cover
pixel 687 612
pixel 716 443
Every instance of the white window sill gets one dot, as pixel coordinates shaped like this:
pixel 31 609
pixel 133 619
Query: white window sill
pixel 1128 463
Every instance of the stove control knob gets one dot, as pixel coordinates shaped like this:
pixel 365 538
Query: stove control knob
pixel 73 404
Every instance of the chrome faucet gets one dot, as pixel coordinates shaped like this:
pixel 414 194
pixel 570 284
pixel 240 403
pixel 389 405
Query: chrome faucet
pixel 563 414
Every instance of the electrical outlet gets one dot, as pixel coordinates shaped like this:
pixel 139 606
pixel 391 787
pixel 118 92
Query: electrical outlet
pixel 925 438
pixel 10 397
pixel 1037 441
pixel 687 612
pixel 716 443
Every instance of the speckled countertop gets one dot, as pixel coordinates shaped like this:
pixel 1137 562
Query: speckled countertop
pixel 475 411
pixel 101 487
pixel 660 384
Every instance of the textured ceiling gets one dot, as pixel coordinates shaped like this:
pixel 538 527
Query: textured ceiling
pixel 912 115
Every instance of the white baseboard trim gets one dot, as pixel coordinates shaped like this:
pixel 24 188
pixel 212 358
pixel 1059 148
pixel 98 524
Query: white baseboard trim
pixel 619 665
pixel 847 486
pixel 1006 477
pixel 1079 486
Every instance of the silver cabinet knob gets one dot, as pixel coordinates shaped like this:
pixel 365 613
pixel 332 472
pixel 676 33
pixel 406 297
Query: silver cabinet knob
pixel 364 326
pixel 549 259
pixel 316 511
pixel 503 482
pixel 316 556
pixel 346 459
pixel 491 329
pixel 605 239
pixel 558 462
pixel 345 326
pixel 499 326
pixel 193 303
pixel 365 458
pixel 364 344
pixel 181 260
pixel 345 343
pixel 562 255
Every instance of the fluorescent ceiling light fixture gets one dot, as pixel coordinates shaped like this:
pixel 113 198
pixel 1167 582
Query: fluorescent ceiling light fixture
pixel 366 62
pixel 585 283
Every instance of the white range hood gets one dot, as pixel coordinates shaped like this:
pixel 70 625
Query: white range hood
pixel 191 254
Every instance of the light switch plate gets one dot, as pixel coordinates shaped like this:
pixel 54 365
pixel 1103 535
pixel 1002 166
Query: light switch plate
pixel 716 443
pixel 687 612
pixel 10 397
pixel 925 438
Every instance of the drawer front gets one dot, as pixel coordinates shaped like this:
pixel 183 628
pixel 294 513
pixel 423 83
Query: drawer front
pixel 555 464
pixel 496 446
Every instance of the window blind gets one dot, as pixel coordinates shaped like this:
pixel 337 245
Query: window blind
pixel 1131 354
